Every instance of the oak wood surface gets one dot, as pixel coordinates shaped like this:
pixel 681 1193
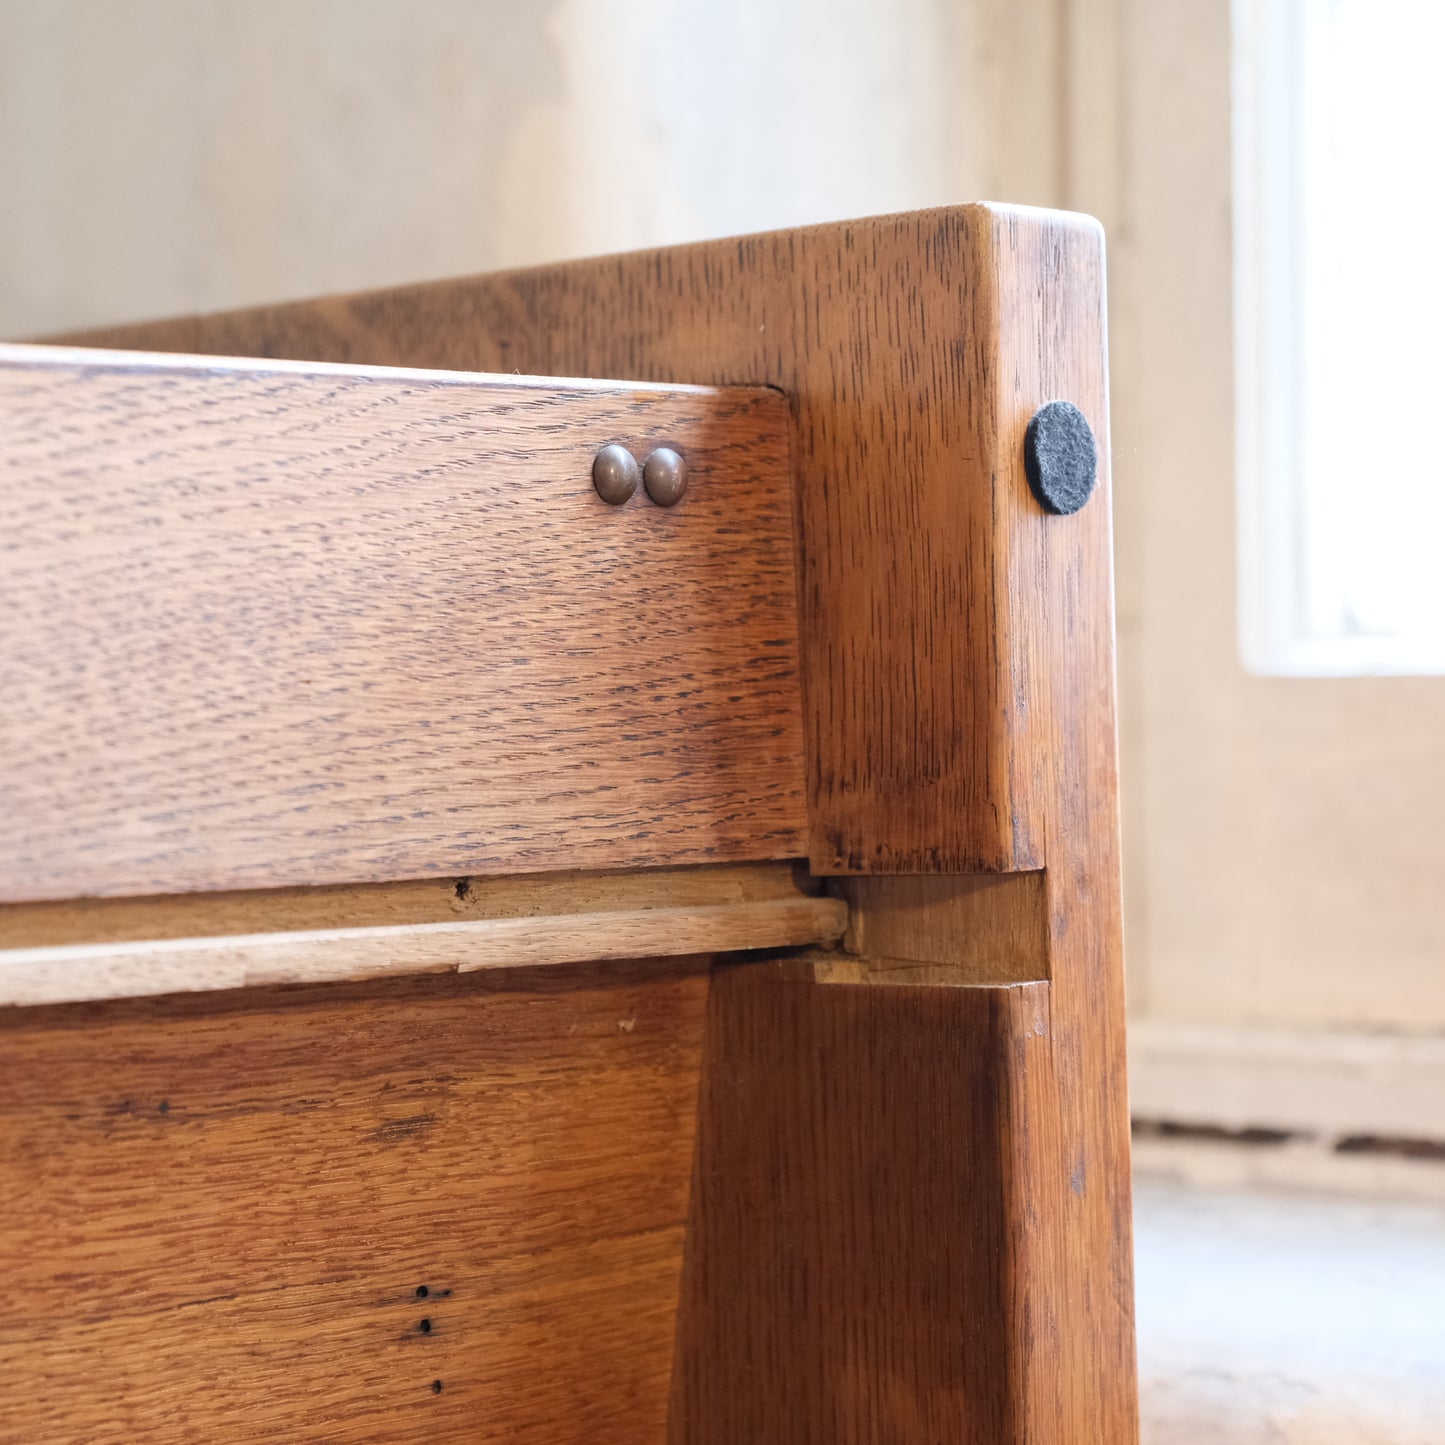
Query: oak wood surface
pixel 1070 1118
pixel 883 333
pixel 271 625
pixel 850 1262
pixel 972 928
pixel 218 1212
pixel 958 693
pixel 186 965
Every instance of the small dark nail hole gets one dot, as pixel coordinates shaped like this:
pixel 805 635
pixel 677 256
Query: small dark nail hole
pixel 436 1387
pixel 165 1106
pixel 422 1291
pixel 425 1327
pixel 464 888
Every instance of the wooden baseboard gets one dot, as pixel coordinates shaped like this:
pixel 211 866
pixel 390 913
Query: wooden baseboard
pixel 1349 1112
pixel 1341 1083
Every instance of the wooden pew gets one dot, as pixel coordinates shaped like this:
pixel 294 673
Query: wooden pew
pixel 478 962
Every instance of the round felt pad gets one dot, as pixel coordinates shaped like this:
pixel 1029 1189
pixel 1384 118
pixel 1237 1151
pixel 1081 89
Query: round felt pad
pixel 1060 457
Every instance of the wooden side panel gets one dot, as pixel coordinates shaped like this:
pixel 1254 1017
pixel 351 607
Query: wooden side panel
pixel 851 1272
pixel 263 625
pixel 432 1209
pixel 883 334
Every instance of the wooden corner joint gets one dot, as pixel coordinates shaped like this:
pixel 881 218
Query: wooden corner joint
pixel 942 929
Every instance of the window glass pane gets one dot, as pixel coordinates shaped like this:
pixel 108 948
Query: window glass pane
pixel 1347 154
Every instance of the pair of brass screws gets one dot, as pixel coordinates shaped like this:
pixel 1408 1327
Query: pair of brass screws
pixel 615 473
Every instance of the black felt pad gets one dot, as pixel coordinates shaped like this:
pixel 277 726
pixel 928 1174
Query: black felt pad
pixel 1060 457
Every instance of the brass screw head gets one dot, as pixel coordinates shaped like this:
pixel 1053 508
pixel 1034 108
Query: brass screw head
pixel 664 474
pixel 614 474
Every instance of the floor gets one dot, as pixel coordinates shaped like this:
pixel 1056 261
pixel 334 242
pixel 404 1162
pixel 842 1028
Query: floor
pixel 1271 1317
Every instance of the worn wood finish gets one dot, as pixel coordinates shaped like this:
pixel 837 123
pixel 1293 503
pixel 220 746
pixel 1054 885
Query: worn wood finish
pixel 852 1264
pixel 218 1211
pixel 270 625
pixel 959 718
pixel 187 965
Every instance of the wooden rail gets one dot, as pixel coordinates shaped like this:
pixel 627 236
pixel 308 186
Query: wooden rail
pixel 266 624
pixel 86 972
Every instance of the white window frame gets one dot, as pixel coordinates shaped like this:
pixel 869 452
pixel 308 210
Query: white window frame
pixel 1269 219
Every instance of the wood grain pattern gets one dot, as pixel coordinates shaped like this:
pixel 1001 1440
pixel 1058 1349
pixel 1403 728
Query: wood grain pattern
pixel 1071 1121
pixel 959 718
pixel 979 928
pixel 218 1211
pixel 90 971
pixel 884 335
pixel 851 1266
pixel 269 625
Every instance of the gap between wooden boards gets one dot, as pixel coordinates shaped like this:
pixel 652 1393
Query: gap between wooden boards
pixel 942 929
pixel 938 931
pixel 85 972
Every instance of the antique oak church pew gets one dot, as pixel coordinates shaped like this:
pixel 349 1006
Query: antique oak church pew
pixel 498 948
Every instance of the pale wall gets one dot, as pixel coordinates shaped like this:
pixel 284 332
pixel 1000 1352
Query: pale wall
pixel 1284 858
pixel 1287 849
pixel 164 155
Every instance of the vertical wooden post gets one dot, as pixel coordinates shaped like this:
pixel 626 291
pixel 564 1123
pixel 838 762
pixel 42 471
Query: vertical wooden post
pixel 912 1208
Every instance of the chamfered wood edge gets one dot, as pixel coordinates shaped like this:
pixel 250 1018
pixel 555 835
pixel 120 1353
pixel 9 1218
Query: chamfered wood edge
pixel 24 354
pixel 1068 1103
